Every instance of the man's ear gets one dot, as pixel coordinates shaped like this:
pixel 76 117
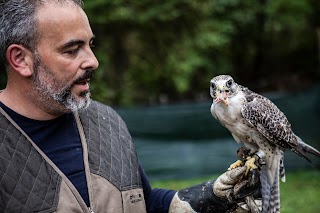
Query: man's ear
pixel 20 59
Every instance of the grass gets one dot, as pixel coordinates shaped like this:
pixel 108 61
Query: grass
pixel 300 192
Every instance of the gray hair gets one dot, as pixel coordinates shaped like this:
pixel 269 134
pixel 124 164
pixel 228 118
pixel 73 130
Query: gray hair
pixel 18 23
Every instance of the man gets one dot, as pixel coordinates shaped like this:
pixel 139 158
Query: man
pixel 60 151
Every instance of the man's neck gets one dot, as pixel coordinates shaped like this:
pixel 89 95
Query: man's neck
pixel 20 104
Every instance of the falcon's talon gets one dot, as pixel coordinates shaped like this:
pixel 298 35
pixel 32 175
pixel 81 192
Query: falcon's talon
pixel 235 164
pixel 250 164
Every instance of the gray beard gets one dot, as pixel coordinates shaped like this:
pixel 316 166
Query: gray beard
pixel 70 102
pixel 48 92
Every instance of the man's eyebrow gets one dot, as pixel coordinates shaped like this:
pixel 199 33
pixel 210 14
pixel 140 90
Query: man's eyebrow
pixel 74 42
pixel 71 43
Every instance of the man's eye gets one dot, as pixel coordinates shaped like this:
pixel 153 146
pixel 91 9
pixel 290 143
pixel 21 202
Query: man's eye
pixel 73 51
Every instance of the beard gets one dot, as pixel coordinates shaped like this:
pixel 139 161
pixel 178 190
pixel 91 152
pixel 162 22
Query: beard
pixel 57 95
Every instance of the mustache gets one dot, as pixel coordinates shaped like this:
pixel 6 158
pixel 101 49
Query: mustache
pixel 66 93
pixel 86 76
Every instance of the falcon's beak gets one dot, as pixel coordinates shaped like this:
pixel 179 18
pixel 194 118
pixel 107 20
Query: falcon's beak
pixel 222 96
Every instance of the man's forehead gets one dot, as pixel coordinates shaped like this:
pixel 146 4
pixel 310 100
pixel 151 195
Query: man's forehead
pixel 60 23
pixel 54 12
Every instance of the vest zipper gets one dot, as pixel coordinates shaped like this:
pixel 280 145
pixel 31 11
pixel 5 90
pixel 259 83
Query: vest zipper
pixel 85 158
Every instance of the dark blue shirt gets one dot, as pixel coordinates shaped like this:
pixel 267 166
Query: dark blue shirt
pixel 59 139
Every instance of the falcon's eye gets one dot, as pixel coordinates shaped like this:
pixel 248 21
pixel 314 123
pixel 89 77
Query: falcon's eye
pixel 213 86
pixel 229 83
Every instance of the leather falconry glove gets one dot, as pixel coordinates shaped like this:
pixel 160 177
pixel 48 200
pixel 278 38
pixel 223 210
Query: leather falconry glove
pixel 221 195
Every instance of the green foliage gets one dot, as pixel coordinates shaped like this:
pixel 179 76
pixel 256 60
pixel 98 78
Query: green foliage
pixel 155 51
pixel 158 51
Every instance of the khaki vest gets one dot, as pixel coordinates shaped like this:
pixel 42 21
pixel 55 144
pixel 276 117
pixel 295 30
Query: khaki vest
pixel 30 182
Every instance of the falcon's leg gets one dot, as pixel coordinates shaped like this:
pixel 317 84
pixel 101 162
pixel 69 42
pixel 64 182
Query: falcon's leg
pixel 242 154
pixel 235 164
pixel 250 164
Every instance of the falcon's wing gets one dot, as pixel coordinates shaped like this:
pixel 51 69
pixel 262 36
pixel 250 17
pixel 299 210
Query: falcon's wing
pixel 260 112
pixel 268 119
pixel 271 123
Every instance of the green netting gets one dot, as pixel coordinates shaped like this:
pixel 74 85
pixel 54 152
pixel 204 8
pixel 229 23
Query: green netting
pixel 194 121
pixel 185 140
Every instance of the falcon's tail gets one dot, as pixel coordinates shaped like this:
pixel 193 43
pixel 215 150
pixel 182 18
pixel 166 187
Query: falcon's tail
pixel 270 193
pixel 302 149
pixel 270 175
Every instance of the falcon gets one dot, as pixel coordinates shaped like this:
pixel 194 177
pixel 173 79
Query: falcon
pixel 256 122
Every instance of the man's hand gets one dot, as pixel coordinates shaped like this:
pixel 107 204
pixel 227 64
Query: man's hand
pixel 223 186
pixel 235 186
pixel 220 195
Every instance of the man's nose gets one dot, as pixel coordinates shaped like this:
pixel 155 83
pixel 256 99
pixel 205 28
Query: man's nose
pixel 91 62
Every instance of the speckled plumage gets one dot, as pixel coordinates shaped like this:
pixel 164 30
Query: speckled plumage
pixel 258 123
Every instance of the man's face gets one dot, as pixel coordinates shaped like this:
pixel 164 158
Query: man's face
pixel 64 61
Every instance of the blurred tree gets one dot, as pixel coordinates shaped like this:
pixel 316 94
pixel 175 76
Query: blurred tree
pixel 153 51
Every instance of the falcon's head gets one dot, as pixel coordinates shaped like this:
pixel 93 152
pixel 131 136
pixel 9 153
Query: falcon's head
pixel 222 88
